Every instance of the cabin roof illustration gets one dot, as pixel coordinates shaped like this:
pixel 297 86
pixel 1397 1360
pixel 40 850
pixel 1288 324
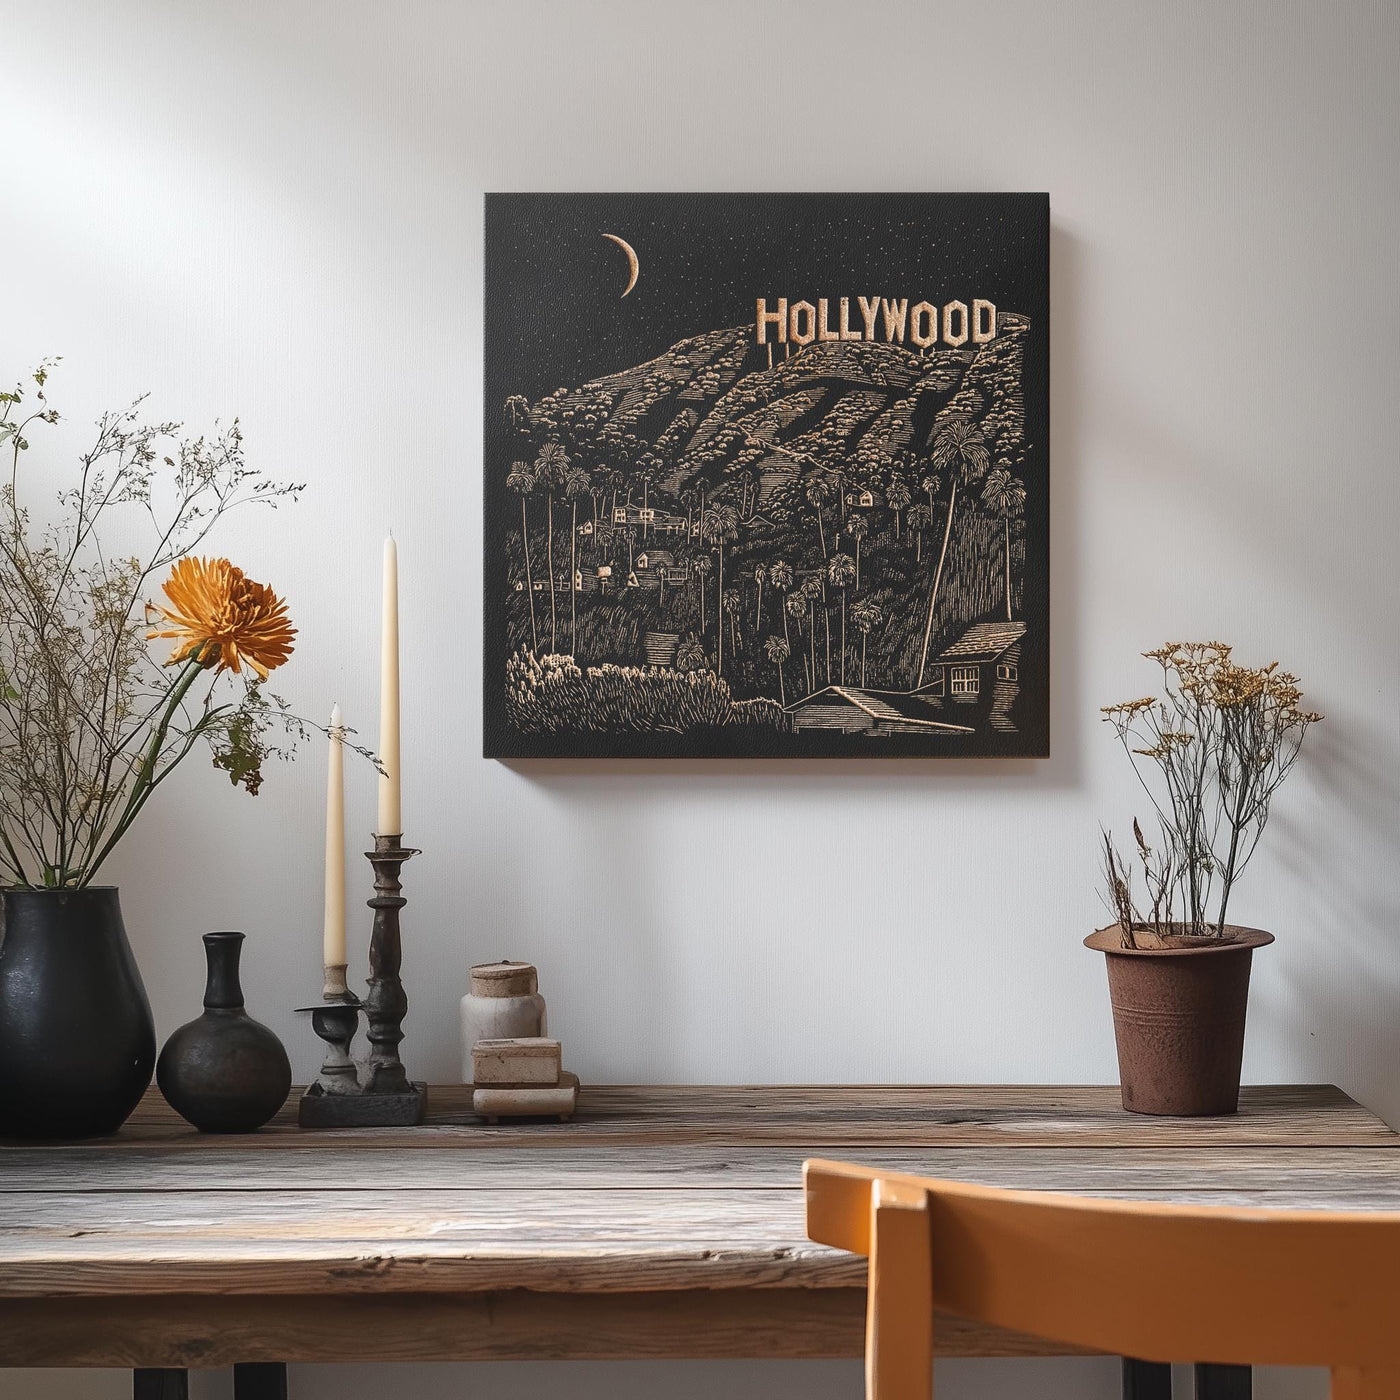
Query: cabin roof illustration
pixel 889 706
pixel 655 558
pixel 984 642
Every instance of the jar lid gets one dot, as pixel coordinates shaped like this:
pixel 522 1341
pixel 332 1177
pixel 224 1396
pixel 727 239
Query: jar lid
pixel 504 979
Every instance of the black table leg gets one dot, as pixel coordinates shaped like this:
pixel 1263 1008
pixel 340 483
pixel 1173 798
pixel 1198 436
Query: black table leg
pixel 1224 1383
pixel 1146 1380
pixel 160 1383
pixel 260 1380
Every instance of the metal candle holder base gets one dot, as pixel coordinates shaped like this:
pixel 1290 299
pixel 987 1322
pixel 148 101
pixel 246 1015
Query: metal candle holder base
pixel 377 1092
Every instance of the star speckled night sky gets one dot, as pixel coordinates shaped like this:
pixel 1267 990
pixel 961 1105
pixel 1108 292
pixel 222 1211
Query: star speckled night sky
pixel 554 311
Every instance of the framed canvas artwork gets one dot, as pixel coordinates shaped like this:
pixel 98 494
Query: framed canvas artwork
pixel 766 475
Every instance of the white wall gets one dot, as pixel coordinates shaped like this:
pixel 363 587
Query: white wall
pixel 273 210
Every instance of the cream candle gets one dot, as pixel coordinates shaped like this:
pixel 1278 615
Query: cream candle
pixel 390 810
pixel 333 938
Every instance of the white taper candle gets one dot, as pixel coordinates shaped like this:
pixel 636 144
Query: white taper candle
pixel 390 809
pixel 333 940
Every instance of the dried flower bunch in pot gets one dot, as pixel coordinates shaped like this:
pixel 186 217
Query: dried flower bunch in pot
pixel 1210 753
pixel 92 723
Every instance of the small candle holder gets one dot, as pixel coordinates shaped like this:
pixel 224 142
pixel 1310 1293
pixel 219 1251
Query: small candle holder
pixel 378 1092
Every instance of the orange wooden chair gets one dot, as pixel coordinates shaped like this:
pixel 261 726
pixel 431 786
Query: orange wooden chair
pixel 1160 1282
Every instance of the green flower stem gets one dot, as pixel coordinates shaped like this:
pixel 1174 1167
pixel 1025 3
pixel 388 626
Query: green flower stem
pixel 147 777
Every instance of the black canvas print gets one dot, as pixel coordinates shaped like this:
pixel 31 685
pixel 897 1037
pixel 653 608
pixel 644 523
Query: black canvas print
pixel 766 475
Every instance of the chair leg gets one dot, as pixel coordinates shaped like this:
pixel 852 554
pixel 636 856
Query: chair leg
pixel 260 1380
pixel 1146 1380
pixel 160 1383
pixel 899 1301
pixel 1224 1383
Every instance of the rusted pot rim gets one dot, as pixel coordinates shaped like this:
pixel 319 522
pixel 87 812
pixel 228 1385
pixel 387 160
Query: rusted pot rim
pixel 1110 940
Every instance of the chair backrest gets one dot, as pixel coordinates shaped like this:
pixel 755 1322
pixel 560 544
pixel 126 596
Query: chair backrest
pixel 1153 1281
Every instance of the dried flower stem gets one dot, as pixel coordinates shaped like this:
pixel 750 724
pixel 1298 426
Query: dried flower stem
pixel 1220 741
pixel 90 723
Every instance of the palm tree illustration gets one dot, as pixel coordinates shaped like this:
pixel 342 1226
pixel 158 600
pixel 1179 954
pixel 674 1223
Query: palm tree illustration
pixel 818 494
pixel 690 498
pixel 647 468
pixel 920 518
pixel 551 467
pixel 597 489
pixel 718 525
pixel 930 486
pixel 841 570
pixel 858 527
pixel 521 480
pixel 1004 495
pixel 811 591
pixel 690 656
pixel 760 575
pixel 778 652
pixel 733 601
pixel 960 451
pixel 576 484
pixel 781 577
pixel 897 496
pixel 796 604
pixel 867 616
pixel 615 480
pixel 517 411
pixel 701 567
pixel 702 488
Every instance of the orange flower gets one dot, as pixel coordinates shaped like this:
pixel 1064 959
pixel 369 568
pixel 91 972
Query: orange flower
pixel 221 617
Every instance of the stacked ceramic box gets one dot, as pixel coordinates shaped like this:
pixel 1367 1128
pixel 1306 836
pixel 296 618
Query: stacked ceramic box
pixel 514 1068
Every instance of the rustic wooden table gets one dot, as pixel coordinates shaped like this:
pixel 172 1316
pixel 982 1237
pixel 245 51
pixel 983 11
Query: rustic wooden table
pixel 662 1222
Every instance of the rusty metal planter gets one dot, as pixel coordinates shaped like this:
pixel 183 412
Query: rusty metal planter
pixel 1178 1019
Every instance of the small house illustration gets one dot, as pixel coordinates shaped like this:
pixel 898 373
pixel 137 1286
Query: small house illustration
pixel 586 528
pixel 658 521
pixel 863 498
pixel 848 709
pixel 972 686
pixel 980 672
pixel 665 524
pixel 661 648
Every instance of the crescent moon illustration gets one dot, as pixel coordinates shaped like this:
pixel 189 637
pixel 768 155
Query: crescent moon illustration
pixel 632 264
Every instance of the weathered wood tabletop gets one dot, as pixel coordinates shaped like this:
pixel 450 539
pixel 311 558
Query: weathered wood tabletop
pixel 662 1222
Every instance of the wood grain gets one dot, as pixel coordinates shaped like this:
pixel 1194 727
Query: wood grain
pixel 880 1115
pixel 660 1222
pixel 195 1331
pixel 1360 1178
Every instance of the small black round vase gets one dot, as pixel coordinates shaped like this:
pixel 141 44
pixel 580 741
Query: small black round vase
pixel 225 1072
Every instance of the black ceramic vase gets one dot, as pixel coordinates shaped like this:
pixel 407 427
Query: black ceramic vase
pixel 76 1038
pixel 225 1072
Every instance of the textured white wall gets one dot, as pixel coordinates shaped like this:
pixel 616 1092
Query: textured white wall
pixel 273 210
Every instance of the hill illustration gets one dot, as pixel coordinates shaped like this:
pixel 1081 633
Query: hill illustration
pixel 781 521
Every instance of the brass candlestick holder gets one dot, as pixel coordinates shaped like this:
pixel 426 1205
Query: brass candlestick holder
pixel 376 1092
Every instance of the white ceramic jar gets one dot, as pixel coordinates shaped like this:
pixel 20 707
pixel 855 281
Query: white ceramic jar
pixel 504 1002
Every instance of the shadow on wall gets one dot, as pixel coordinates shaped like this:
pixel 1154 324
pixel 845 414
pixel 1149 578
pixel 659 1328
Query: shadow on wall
pixel 1349 922
pixel 1062 770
